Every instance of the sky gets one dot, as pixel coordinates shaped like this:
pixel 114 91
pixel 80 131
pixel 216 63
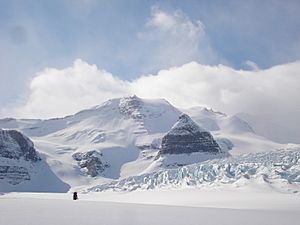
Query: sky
pixel 58 57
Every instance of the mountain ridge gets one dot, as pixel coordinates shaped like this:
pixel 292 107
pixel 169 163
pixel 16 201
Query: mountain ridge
pixel 123 137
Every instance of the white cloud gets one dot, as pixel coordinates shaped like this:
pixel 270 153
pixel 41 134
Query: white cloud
pixel 252 65
pixel 175 39
pixel 55 93
pixel 177 23
pixel 271 95
pixel 274 91
pixel 162 20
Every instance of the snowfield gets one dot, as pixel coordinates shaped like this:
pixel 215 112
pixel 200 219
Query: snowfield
pixel 257 188
pixel 159 207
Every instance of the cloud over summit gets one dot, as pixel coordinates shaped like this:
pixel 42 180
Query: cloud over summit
pixel 58 92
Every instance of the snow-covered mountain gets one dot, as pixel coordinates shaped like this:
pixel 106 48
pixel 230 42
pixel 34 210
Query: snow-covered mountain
pixel 187 137
pixel 16 149
pixel 21 167
pixel 231 132
pixel 131 136
pixel 273 128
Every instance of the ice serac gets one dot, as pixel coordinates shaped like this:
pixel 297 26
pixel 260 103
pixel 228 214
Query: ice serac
pixel 15 149
pixel 277 169
pixel 187 137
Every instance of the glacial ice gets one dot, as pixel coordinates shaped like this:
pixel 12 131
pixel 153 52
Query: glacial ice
pixel 281 166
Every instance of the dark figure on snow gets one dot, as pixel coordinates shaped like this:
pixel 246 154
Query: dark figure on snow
pixel 75 196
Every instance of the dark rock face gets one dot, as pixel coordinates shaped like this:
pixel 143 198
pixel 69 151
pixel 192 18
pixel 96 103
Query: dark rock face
pixel 187 137
pixel 91 161
pixel 14 145
pixel 15 150
pixel 131 107
pixel 14 174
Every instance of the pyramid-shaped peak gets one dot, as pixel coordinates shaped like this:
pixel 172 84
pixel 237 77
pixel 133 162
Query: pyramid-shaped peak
pixel 186 125
pixel 187 137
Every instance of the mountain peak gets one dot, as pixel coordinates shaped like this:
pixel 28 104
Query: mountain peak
pixel 186 125
pixel 16 151
pixel 187 137
pixel 131 106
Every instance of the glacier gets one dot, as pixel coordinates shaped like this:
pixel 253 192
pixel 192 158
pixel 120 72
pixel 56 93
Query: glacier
pixel 281 166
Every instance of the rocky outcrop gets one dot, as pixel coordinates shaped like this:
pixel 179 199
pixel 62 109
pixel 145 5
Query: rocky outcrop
pixel 131 107
pixel 14 174
pixel 187 137
pixel 16 153
pixel 91 162
pixel 15 145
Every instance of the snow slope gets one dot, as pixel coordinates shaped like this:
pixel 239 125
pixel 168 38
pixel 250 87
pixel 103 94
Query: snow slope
pixel 21 167
pixel 273 128
pixel 233 129
pixel 41 179
pixel 125 134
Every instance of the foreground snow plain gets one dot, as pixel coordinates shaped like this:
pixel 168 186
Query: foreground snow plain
pixel 248 205
pixel 261 188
